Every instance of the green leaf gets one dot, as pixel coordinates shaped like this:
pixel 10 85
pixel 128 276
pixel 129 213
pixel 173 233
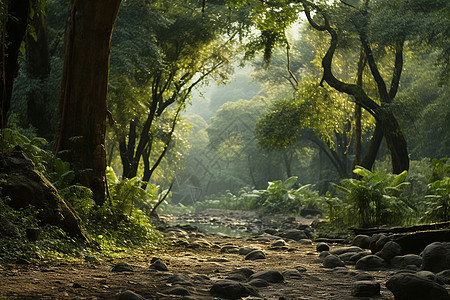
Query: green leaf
pixel 400 178
pixel 290 182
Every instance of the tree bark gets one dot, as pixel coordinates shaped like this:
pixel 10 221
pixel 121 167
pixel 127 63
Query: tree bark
pixel 82 108
pixel 13 34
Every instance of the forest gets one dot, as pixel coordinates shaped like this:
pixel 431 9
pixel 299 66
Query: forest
pixel 117 112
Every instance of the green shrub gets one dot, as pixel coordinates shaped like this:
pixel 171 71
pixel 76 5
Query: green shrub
pixel 437 202
pixel 376 199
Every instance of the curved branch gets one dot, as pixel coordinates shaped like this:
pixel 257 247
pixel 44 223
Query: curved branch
pixel 398 67
pixel 352 89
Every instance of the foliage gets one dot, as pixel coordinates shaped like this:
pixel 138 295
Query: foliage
pixel 279 197
pixel 437 202
pixel 12 138
pixel 376 199
pixel 52 243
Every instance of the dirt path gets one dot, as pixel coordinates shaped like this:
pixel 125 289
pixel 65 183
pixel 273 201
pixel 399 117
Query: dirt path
pixel 203 266
pixel 195 262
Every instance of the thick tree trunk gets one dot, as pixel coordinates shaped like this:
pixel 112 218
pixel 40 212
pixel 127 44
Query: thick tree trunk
pixel 371 153
pixel 13 34
pixel 38 69
pixel 82 109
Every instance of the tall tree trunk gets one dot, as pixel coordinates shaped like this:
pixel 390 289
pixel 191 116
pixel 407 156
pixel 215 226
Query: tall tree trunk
pixel 13 34
pixel 38 69
pixel 82 109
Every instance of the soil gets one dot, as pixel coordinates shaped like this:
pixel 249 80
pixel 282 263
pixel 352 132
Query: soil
pixel 203 265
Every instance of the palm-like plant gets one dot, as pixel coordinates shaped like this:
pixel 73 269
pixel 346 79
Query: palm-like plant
pixel 376 199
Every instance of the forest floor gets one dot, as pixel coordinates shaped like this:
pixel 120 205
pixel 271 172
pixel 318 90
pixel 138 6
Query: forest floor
pixel 193 268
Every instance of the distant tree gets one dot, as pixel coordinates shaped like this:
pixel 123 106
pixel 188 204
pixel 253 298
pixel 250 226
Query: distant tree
pixel 184 46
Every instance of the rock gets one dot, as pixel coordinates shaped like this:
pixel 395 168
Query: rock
pixel 407 286
pixel 245 271
pixel 345 257
pixel 129 295
pixel 229 249
pixel 365 288
pixel 429 275
pixel 122 267
pixel 370 263
pixel 272 276
pixel 444 276
pixel 279 243
pixel 178 290
pixel 246 250
pixel 389 250
pixel 342 250
pixel 179 279
pixel 292 273
pixel 320 247
pixel 200 243
pixel 7 229
pixel 332 261
pixel 159 265
pixel 271 231
pixel 364 276
pixel 258 282
pixel 229 289
pixel 27 186
pixel 324 254
pixel 240 274
pixel 361 241
pixel 436 257
pixel 357 256
pixel 344 271
pixel 305 242
pixel 294 234
pixel 377 242
pixel 256 254
pixel 402 261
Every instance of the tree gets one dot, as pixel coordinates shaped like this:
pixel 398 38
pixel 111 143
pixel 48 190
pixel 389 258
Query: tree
pixel 82 108
pixel 14 18
pixel 187 45
pixel 367 22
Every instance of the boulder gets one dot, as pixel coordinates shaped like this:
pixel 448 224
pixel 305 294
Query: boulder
pixel 436 257
pixel 370 263
pixel 26 186
pixel 229 289
pixel 332 261
pixel 365 288
pixel 122 267
pixel 256 254
pixel 402 261
pixel 320 247
pixel 159 265
pixel 273 276
pixel 406 286
pixel 362 241
pixel 389 251
pixel 444 276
